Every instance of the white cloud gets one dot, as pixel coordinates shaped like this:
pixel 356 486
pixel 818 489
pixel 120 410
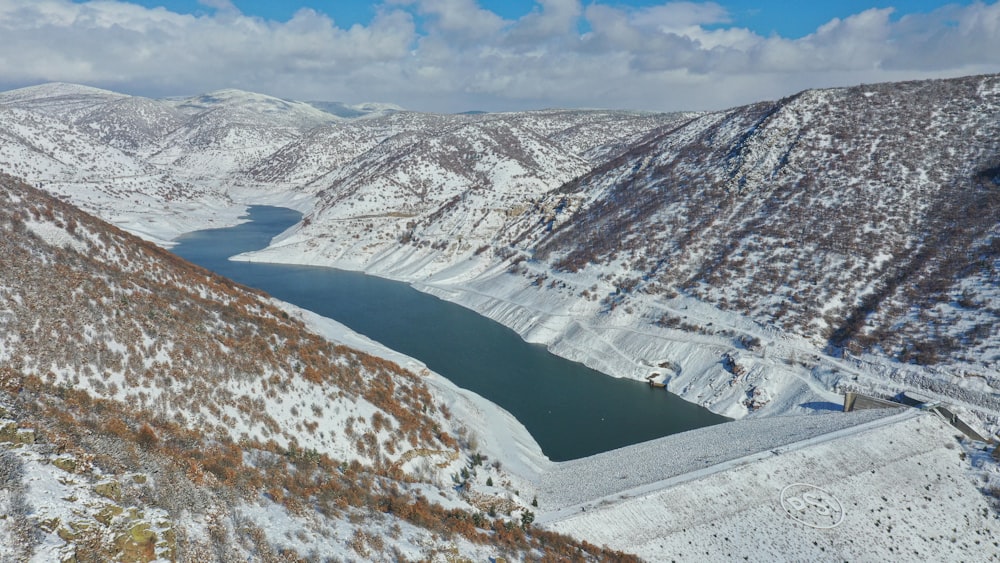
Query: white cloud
pixel 675 16
pixel 551 19
pixel 458 19
pixel 225 5
pixel 452 55
pixel 953 34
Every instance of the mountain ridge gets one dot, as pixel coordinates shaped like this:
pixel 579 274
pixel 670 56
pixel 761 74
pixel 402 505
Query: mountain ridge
pixel 862 181
pixel 760 261
pixel 713 206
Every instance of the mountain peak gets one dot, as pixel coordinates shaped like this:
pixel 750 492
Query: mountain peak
pixel 252 104
pixel 52 90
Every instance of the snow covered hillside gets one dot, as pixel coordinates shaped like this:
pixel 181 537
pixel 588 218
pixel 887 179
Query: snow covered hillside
pixel 164 167
pixel 760 261
pixel 771 256
pixel 150 409
pixel 862 222
pixel 837 239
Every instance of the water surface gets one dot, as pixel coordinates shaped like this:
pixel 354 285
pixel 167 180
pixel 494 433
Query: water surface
pixel 571 410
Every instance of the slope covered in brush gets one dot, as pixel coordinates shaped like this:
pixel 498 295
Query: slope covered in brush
pixel 165 412
pixel 863 218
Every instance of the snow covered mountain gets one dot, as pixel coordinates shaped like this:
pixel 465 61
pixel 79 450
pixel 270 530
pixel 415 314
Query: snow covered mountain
pixel 68 101
pixel 825 213
pixel 367 109
pixel 866 220
pixel 858 225
pixel 150 410
pixel 164 167
pixel 850 225
pixel 834 240
pixel 231 130
pixel 448 186
pixel 759 261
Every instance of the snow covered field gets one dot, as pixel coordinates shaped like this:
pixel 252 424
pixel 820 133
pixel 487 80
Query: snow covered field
pixel 895 490
pixel 574 485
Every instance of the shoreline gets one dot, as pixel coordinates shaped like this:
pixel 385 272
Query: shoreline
pixel 618 344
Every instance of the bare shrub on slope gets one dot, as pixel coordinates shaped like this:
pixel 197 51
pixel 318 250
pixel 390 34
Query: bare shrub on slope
pixel 853 217
pixel 166 390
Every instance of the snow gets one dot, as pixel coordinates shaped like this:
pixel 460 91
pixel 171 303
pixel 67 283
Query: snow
pixel 55 236
pixel 898 474
pixel 60 503
pixel 364 183
pixel 902 485
pixel 644 467
pixel 354 230
pixel 59 499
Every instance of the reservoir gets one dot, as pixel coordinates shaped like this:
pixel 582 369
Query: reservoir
pixel 571 410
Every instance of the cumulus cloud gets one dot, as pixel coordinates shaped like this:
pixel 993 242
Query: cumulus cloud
pixel 222 5
pixel 550 19
pixel 680 15
pixel 954 34
pixel 456 19
pixel 156 52
pixel 453 55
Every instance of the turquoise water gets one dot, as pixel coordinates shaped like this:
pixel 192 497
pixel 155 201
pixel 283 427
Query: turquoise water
pixel 570 409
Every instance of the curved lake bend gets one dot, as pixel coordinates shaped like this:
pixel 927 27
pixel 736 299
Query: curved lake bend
pixel 570 409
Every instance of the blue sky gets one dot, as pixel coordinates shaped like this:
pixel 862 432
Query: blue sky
pixel 459 55
pixel 788 18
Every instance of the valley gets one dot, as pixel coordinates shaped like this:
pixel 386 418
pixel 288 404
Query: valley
pixel 758 262
pixel 570 410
